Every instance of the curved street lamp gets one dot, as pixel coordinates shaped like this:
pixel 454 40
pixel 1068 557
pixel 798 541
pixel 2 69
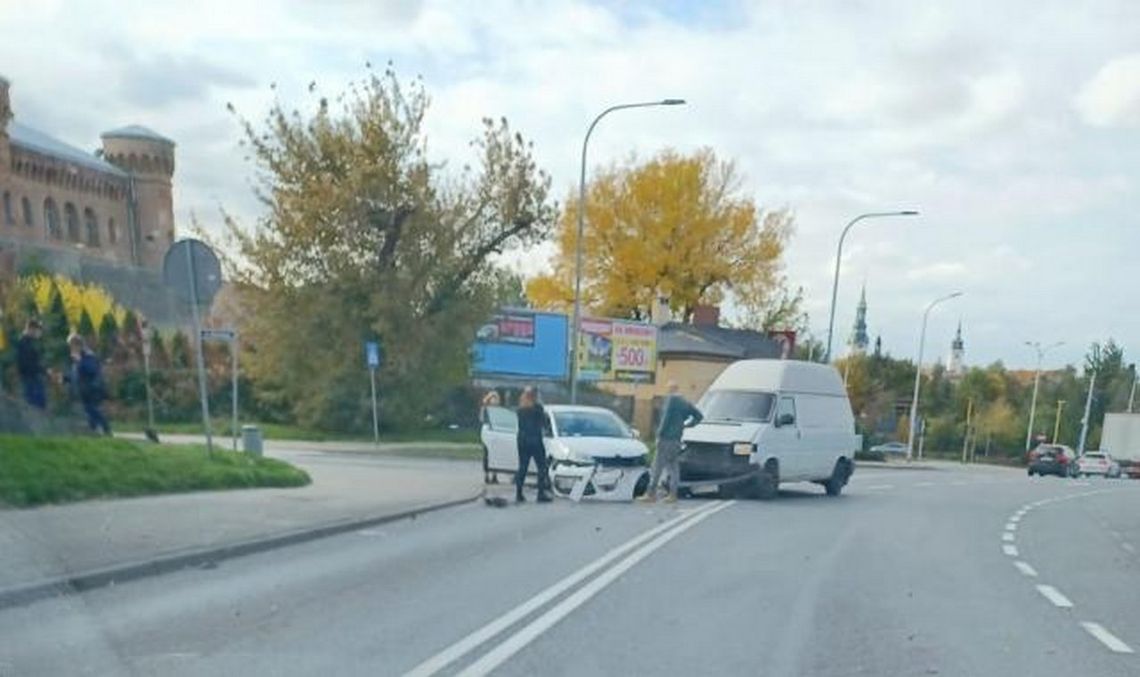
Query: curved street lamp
pixel 1036 345
pixel 581 227
pixel 918 372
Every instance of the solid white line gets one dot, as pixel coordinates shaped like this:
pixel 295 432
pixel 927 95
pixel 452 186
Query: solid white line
pixel 1011 526
pixel 1053 595
pixel 881 486
pixel 1010 550
pixel 1007 536
pixel 1106 638
pixel 1128 546
pixel 464 646
pixel 1025 568
pixel 516 642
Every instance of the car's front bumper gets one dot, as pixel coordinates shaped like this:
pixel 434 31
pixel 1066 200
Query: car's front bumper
pixel 598 481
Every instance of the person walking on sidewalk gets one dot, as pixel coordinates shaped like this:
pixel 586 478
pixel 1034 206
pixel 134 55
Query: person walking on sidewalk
pixel 676 415
pixel 86 380
pixel 533 425
pixel 29 363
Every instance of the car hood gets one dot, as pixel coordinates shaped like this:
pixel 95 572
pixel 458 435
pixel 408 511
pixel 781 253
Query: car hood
pixel 565 448
pixel 723 432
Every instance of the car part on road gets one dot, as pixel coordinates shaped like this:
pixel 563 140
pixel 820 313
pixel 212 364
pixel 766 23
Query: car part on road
pixel 839 476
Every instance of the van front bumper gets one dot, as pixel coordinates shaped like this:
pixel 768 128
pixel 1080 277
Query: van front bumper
pixel 706 463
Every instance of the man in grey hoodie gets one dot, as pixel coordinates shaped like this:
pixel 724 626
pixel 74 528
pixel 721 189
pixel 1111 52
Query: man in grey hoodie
pixel 676 415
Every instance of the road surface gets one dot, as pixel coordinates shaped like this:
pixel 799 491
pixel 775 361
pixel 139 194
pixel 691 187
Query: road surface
pixel 975 571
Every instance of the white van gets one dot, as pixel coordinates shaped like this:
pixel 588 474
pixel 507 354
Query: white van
pixel 771 421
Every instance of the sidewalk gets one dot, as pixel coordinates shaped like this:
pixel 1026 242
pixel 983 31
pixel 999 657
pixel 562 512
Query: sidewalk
pixel 126 538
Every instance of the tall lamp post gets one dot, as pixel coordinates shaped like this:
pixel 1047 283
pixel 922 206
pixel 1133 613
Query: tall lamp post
pixel 1036 345
pixel 839 256
pixel 918 372
pixel 581 227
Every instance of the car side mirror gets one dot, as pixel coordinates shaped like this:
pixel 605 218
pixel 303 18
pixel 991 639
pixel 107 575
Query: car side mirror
pixel 785 419
pixel 635 433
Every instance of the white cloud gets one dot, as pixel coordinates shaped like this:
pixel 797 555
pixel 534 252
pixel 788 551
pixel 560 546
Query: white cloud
pixel 1112 97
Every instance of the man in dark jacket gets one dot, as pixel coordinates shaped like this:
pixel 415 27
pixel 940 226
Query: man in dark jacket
pixel 87 380
pixel 29 364
pixel 676 415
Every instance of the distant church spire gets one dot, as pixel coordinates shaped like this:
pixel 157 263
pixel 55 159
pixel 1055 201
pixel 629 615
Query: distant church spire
pixel 956 365
pixel 859 339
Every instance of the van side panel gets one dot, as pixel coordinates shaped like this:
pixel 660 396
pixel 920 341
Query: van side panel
pixel 826 426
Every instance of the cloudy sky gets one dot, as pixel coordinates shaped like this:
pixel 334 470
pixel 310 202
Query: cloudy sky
pixel 1014 126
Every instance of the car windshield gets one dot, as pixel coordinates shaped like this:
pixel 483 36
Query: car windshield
pixel 736 405
pixel 589 424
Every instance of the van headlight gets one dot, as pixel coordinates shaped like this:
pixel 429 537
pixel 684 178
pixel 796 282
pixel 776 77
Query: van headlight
pixel 742 449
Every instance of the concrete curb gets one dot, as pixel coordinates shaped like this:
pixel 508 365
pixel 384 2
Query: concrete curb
pixel 205 557
pixel 896 466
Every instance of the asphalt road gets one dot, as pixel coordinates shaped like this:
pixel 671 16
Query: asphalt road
pixel 952 572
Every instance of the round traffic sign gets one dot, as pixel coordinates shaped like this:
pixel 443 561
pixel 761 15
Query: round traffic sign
pixel 193 271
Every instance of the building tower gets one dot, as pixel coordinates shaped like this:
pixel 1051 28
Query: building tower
pixel 955 366
pixel 5 116
pixel 859 340
pixel 149 158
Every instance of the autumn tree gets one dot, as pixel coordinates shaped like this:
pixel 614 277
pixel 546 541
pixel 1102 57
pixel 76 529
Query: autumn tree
pixel 677 226
pixel 366 238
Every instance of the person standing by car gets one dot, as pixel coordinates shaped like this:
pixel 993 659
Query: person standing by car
pixel 86 378
pixel 491 399
pixel 533 424
pixel 29 364
pixel 676 415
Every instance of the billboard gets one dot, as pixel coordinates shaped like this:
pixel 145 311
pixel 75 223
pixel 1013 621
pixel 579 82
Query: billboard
pixel 523 344
pixel 615 350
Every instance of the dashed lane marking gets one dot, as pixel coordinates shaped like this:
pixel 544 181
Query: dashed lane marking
pixel 1008 537
pixel 1129 547
pixel 1010 550
pixel 1106 638
pixel 1054 595
pixel 1011 526
pixel 1025 568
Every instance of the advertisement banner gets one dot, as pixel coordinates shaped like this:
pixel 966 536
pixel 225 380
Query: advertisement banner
pixel 614 350
pixel 512 328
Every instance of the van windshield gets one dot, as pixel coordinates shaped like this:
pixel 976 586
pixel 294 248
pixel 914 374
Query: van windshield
pixel 736 405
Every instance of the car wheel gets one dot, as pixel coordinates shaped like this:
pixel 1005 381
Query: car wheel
pixel 765 485
pixel 833 485
pixel 1029 471
pixel 641 486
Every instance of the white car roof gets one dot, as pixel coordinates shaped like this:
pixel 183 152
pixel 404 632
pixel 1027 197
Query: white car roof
pixel 570 408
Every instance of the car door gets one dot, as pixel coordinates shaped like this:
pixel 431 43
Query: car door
pixel 783 439
pixel 500 437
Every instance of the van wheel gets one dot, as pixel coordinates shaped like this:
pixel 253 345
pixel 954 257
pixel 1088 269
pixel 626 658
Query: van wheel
pixel 834 484
pixel 766 483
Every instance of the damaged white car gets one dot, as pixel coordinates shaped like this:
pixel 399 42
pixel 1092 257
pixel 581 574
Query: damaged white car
pixel 592 452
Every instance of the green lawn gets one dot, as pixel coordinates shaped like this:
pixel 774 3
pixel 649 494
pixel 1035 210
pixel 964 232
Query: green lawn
pixel 39 470
pixel 278 431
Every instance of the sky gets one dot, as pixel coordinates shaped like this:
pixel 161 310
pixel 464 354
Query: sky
pixel 1013 127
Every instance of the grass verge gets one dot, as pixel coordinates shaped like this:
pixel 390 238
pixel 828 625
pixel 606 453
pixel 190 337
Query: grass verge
pixel 40 470
pixel 278 431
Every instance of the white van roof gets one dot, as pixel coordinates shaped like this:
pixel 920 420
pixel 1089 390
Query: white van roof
pixel 781 375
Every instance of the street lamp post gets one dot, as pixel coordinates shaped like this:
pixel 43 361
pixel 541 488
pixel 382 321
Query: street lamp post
pixel 1036 345
pixel 918 372
pixel 1057 422
pixel 581 228
pixel 839 256
pixel 1085 420
pixel 1132 393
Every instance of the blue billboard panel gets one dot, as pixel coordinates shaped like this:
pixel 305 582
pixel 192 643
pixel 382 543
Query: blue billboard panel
pixel 522 343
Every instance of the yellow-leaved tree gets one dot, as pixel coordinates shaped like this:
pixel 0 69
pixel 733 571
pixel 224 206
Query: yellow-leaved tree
pixel 676 226
pixel 77 297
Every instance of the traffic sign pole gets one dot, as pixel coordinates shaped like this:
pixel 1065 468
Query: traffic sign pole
pixel 234 392
pixel 375 413
pixel 201 356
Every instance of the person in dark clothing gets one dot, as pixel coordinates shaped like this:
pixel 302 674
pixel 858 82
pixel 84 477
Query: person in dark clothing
pixel 30 364
pixel 676 415
pixel 86 380
pixel 533 425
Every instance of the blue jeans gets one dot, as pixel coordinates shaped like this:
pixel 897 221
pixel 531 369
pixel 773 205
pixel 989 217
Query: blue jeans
pixel 34 393
pixel 95 418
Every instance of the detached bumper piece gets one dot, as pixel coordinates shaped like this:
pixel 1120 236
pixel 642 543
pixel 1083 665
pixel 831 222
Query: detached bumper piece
pixel 601 481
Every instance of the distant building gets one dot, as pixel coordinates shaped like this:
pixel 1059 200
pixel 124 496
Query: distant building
pixel 955 365
pixel 115 204
pixel 859 341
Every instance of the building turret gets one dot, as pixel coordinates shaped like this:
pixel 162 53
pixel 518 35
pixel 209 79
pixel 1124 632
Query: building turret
pixel 955 366
pixel 859 339
pixel 149 158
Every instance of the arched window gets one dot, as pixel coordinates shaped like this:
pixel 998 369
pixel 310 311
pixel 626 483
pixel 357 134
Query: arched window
pixel 91 225
pixel 72 216
pixel 29 219
pixel 51 220
pixel 9 217
pixel 112 234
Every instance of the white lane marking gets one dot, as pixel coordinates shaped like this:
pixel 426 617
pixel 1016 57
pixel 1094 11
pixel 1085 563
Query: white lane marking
pixel 1010 550
pixel 1025 568
pixel 516 642
pixel 1016 517
pixel 1054 595
pixel 881 486
pixel 1106 638
pixel 1128 546
pixel 464 646
pixel 1011 526
pixel 1007 536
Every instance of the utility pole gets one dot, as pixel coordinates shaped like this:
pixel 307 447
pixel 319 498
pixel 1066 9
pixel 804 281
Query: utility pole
pixel 1085 421
pixel 1132 394
pixel 1057 423
pixel 966 437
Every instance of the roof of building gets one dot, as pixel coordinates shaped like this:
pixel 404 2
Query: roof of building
pixel 36 141
pixel 719 342
pixel 136 132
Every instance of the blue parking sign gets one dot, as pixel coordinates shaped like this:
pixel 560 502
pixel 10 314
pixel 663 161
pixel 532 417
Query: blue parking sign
pixel 372 354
